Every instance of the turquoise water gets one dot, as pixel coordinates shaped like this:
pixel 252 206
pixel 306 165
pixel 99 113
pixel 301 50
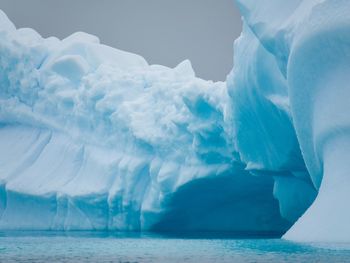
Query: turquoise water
pixel 122 248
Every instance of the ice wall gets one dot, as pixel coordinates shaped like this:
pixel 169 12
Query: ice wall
pixel 262 127
pixel 95 138
pixel 310 43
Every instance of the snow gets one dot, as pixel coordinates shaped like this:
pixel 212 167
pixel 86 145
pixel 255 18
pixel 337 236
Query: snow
pixel 95 138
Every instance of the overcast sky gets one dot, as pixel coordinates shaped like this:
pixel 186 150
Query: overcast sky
pixel 163 31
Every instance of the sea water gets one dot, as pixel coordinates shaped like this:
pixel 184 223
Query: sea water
pixel 133 247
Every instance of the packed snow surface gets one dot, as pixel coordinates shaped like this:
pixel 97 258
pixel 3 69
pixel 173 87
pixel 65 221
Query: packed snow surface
pixel 92 137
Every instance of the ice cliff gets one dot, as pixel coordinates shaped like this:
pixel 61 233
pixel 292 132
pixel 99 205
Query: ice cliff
pixel 310 43
pixel 92 137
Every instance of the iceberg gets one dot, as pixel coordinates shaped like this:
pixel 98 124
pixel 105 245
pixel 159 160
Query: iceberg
pixel 310 43
pixel 95 138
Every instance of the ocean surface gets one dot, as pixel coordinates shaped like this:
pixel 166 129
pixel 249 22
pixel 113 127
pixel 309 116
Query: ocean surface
pixel 135 247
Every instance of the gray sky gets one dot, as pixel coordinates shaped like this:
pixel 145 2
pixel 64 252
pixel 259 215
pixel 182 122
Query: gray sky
pixel 163 31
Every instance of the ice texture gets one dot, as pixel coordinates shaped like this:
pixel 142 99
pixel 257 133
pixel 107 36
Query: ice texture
pixel 309 40
pixel 95 138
